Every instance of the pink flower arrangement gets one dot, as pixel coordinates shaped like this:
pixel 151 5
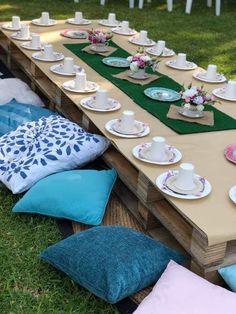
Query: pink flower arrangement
pixel 140 61
pixel 99 37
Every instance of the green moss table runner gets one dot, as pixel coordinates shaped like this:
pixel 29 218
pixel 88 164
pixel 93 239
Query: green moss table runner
pixel 136 92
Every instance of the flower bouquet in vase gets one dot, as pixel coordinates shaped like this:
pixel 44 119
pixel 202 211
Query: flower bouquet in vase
pixel 99 40
pixel 195 99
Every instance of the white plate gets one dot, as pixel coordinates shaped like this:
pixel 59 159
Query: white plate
pixel 27 45
pixel 88 103
pixel 167 52
pixel 17 36
pixel 109 128
pixel 118 30
pixel 58 69
pixel 160 182
pixel 232 194
pixel 138 128
pixel 189 65
pixel 201 76
pixel 57 56
pixel 39 23
pixel 135 41
pixel 220 93
pixel 83 22
pixel 107 24
pixel 176 154
pixel 10 28
pixel 90 88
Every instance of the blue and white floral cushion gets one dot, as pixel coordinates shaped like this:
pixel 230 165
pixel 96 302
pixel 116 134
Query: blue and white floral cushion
pixel 48 145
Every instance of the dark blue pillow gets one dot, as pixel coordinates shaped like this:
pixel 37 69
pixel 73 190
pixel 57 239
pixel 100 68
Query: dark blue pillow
pixel 14 114
pixel 111 262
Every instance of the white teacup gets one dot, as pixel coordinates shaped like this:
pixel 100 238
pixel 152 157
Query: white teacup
pixel 101 100
pixel 45 18
pixel 78 17
pixel 181 60
pixel 158 148
pixel 111 18
pixel 160 47
pixel 48 51
pixel 125 26
pixel 185 178
pixel 24 31
pixel 15 22
pixel 230 90
pixel 35 42
pixel 143 37
pixel 211 72
pixel 68 66
pixel 127 121
pixel 80 81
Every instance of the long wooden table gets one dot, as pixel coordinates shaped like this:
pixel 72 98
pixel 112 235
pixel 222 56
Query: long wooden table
pixel 206 228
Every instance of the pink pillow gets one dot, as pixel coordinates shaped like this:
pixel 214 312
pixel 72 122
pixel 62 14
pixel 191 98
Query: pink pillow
pixel 179 291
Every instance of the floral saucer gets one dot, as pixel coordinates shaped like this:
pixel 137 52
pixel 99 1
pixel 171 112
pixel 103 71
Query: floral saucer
pixel 162 94
pixel 142 152
pixel 90 87
pixel 118 30
pixel 167 52
pixel 135 40
pixel 116 62
pixel 75 33
pixel 145 130
pixel 189 65
pixel 90 104
pixel 107 24
pixel 59 69
pixel 96 48
pixel 230 153
pixel 201 76
pixel 39 23
pixel 138 128
pixel 221 93
pixel 166 183
pixel 9 27
pixel 136 75
pixel 28 45
pixel 57 56
pixel 82 22
pixel 17 36
pixel 232 194
pixel 188 113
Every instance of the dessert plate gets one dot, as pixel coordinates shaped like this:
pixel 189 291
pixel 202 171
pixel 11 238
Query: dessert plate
pixel 166 183
pixel 230 153
pixel 201 76
pixel 220 93
pixel 189 65
pixel 17 36
pixel 75 33
pixel 27 45
pixel 232 194
pixel 135 41
pixel 58 69
pixel 167 52
pixel 142 152
pixel 82 22
pixel 90 104
pixel 9 27
pixel 107 24
pixel 39 23
pixel 90 87
pixel 162 94
pixel 116 62
pixel 118 30
pixel 57 56
pixel 110 128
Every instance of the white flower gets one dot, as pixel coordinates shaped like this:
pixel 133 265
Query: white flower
pixel 145 58
pixel 187 106
pixel 200 107
pixel 189 92
pixel 130 58
pixel 134 66
pixel 199 100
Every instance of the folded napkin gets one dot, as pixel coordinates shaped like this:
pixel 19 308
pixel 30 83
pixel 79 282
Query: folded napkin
pixel 105 54
pixel 124 76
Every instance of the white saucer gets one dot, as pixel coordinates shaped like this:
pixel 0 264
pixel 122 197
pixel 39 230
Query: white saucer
pixel 232 194
pixel 83 22
pixel 27 45
pixel 165 180
pixel 167 52
pixel 201 76
pixel 17 36
pixel 109 127
pixel 138 128
pixel 189 65
pixel 220 93
pixel 135 41
pixel 95 48
pixel 107 24
pixel 135 76
pixel 9 27
pixel 89 103
pixel 142 151
pixel 90 88
pixel 118 30
pixel 57 56
pixel 58 69
pixel 39 23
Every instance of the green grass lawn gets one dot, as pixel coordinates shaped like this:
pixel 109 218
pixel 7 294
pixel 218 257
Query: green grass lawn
pixel 26 284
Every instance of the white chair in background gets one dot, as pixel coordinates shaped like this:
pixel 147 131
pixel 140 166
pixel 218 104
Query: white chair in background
pixel 169 4
pixel 209 4
pixel 131 3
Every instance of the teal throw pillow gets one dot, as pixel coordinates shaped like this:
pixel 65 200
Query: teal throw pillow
pixel 229 275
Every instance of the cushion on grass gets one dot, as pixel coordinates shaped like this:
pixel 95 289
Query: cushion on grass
pixel 48 145
pixel 14 114
pixel 179 291
pixel 111 262
pixel 79 195
pixel 229 275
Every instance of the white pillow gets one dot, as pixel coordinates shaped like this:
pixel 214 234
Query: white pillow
pixel 39 148
pixel 13 88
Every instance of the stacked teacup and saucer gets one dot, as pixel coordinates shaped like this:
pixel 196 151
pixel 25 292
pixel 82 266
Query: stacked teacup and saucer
pixel 142 39
pixel 48 54
pixel 44 20
pixel 228 92
pixel 68 68
pixel 80 84
pixel 210 75
pixel 23 34
pixel 181 63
